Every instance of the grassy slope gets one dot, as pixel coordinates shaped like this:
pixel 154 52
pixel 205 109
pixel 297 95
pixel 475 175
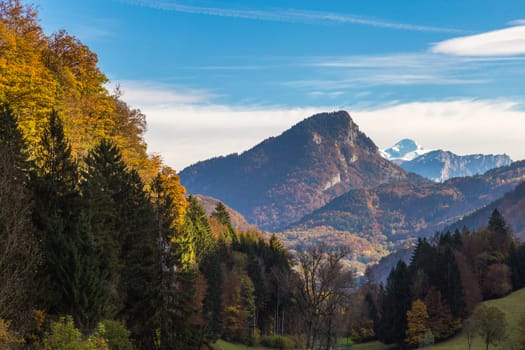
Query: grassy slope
pixel 513 306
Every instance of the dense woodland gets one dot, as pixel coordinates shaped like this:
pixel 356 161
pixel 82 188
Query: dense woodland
pixel 101 248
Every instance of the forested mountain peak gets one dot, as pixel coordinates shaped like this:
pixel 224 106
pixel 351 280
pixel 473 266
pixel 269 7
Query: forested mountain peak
pixel 288 176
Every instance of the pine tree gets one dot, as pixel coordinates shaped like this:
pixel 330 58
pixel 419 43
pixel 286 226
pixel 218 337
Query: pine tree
pixel 56 217
pixel 396 302
pixel 19 253
pixel 123 225
pixel 500 234
pixel 516 262
pixel 178 307
pixel 140 256
pixel 221 214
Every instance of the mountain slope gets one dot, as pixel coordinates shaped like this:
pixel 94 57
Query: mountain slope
pixel 286 177
pixel 511 206
pixel 443 165
pixel 393 215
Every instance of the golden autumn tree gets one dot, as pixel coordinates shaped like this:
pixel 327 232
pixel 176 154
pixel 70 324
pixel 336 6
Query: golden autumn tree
pixel 40 73
pixel 25 83
pixel 417 323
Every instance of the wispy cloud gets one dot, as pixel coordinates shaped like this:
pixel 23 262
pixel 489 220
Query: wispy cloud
pixel 503 42
pixel 288 15
pixel 355 72
pixel 159 95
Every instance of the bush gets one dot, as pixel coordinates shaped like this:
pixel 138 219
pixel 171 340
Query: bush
pixel 65 336
pixel 277 342
pixel 8 338
pixel 117 335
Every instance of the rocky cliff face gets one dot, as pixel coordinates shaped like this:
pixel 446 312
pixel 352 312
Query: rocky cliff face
pixel 442 165
pixel 286 177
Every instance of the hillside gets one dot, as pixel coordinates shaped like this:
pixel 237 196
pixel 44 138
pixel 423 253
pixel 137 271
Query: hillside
pixel 284 178
pixel 394 215
pixel 511 206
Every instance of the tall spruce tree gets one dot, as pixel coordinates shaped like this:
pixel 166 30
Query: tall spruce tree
pixel 222 215
pixel 500 234
pixel 395 304
pixel 208 256
pixel 19 253
pixel 516 262
pixel 123 225
pixel 70 278
pixel 177 305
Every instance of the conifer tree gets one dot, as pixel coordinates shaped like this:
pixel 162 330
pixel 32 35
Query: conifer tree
pixel 395 304
pixel 221 214
pixel 177 307
pixel 19 253
pixel 123 223
pixel 516 262
pixel 500 233
pixel 70 277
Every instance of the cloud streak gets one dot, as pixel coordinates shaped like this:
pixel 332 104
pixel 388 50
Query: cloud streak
pixel 503 42
pixel 288 15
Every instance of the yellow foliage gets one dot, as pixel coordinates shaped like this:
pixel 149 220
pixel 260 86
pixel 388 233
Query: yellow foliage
pixel 8 338
pixel 417 323
pixel 177 192
pixel 40 73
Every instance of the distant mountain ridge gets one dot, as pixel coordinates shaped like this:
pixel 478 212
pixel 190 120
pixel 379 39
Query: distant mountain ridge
pixel 439 165
pixel 443 165
pixel 394 215
pixel 287 177
pixel 511 206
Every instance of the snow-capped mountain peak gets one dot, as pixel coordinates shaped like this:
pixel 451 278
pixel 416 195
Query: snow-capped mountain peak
pixel 403 151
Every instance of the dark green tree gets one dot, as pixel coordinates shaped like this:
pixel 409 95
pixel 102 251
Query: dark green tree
pixel 19 253
pixel 70 278
pixel 123 225
pixel 222 215
pixel 516 262
pixel 500 233
pixel 178 292
pixel 396 301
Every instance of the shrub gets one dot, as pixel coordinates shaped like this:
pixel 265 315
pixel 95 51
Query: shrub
pixel 277 342
pixel 117 335
pixel 65 336
pixel 8 338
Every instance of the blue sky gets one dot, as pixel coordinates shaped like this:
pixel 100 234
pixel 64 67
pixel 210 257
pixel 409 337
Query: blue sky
pixel 216 77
